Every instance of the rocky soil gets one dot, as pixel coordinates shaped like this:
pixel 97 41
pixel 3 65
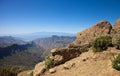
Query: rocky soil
pixel 88 64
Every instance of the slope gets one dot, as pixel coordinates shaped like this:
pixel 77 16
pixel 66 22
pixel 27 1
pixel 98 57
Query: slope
pixel 88 64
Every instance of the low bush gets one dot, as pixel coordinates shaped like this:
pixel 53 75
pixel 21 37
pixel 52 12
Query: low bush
pixel 116 63
pixel 49 63
pixel 101 43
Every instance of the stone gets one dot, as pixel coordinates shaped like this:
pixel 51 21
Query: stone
pixel 68 65
pixel 52 70
pixel 58 59
pixel 53 50
pixel 39 69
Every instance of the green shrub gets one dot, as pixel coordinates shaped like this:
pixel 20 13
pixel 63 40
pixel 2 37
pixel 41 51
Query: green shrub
pixel 9 71
pixel 116 63
pixel 49 63
pixel 116 41
pixel 101 43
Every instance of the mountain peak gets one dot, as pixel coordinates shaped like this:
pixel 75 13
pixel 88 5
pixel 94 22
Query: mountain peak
pixel 88 35
pixel 102 24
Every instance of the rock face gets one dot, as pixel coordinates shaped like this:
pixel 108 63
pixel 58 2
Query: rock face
pixel 64 54
pixel 116 27
pixel 88 35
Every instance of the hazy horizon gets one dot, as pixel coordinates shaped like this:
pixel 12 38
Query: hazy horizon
pixel 69 16
pixel 30 33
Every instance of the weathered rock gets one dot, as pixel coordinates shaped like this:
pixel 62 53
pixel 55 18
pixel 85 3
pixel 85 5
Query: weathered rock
pixel 68 65
pixel 88 35
pixel 64 54
pixel 53 50
pixel 52 70
pixel 39 69
pixel 58 59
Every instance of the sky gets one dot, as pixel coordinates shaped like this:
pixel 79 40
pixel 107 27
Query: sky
pixel 70 16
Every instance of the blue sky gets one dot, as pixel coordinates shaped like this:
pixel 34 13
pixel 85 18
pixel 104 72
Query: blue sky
pixel 71 16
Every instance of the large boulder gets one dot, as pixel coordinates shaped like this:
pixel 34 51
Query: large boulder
pixel 88 35
pixel 64 54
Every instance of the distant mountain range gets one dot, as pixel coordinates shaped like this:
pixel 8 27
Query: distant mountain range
pixel 32 36
pixel 14 51
pixel 9 40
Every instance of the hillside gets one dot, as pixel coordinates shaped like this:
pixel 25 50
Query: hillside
pixel 53 42
pixel 15 54
pixel 9 40
pixel 88 64
pixel 91 54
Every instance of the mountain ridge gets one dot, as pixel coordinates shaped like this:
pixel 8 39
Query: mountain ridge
pixel 33 36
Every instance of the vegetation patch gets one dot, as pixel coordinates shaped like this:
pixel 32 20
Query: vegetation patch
pixel 49 63
pixel 101 43
pixel 116 63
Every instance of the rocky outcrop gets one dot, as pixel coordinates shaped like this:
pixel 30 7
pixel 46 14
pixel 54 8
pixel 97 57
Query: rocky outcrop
pixel 64 54
pixel 116 27
pixel 88 35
